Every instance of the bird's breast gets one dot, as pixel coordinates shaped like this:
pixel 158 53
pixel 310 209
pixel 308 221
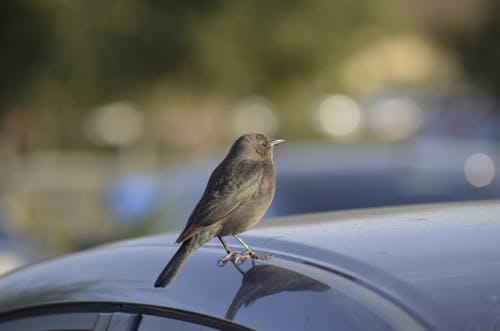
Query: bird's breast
pixel 250 212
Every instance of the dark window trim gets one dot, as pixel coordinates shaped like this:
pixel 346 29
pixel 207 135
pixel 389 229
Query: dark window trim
pixel 131 308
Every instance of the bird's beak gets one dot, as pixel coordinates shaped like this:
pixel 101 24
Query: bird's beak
pixel 276 142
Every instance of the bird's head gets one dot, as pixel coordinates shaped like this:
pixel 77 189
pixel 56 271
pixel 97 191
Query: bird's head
pixel 254 146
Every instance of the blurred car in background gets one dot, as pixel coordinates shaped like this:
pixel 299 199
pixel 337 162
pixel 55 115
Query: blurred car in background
pixel 325 177
pixel 320 178
pixel 422 267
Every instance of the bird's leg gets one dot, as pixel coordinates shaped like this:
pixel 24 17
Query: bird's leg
pixel 235 257
pixel 223 260
pixel 226 246
pixel 252 254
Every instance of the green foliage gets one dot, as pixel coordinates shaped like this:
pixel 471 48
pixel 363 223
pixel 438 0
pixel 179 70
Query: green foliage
pixel 478 48
pixel 97 51
pixel 24 32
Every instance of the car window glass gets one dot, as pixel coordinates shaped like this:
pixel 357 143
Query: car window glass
pixel 155 323
pixel 53 322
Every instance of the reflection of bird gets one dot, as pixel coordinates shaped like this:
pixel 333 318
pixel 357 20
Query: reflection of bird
pixel 237 195
pixel 263 280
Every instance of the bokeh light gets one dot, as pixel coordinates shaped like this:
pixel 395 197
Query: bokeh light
pixel 479 169
pixel 255 114
pixel 338 116
pixel 405 60
pixel 115 124
pixel 395 118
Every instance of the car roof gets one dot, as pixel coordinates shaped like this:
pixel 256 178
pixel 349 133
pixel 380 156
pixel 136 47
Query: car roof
pixel 418 267
pixel 443 258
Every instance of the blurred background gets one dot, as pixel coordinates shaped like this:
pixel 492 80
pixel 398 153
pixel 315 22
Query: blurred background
pixel 113 113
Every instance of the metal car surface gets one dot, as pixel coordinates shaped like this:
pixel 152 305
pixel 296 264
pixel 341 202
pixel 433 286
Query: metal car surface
pixel 429 267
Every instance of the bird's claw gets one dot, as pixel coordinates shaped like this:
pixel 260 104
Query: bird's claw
pixel 239 258
pixel 235 257
pixel 256 256
pixel 223 260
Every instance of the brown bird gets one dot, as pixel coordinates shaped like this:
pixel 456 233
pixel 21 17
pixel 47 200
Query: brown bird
pixel 237 195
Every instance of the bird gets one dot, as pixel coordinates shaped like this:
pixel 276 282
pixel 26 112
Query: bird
pixel 238 194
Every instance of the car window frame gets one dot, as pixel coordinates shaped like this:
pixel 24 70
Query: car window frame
pixel 121 307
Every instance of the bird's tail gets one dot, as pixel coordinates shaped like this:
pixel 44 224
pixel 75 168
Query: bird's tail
pixel 169 272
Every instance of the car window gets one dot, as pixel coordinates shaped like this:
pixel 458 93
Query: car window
pixel 101 322
pixel 53 322
pixel 155 323
pixel 111 317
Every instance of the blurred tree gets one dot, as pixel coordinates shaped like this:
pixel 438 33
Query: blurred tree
pixel 24 32
pixel 103 50
pixel 114 49
pixel 478 48
pixel 262 46
pixel 63 58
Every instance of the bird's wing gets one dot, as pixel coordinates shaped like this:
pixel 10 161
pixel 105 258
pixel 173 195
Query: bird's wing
pixel 223 196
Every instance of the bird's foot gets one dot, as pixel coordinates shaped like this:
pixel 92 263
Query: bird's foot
pixel 239 258
pixel 256 256
pixel 235 257
pixel 225 259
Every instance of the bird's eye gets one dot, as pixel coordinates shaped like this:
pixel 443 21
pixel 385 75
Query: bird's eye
pixel 264 144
